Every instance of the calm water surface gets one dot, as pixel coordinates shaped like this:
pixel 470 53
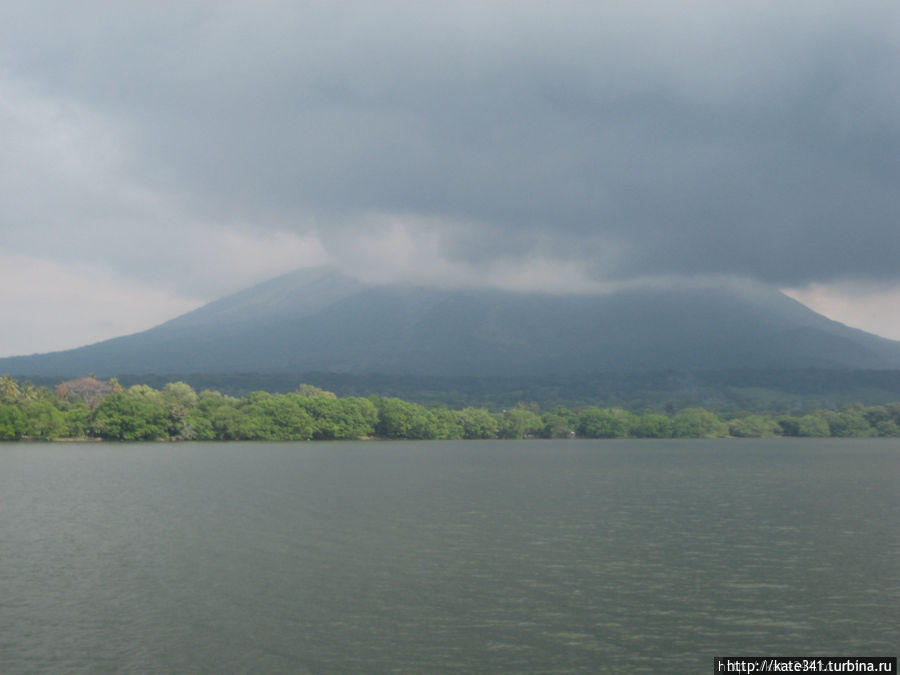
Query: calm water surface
pixel 569 556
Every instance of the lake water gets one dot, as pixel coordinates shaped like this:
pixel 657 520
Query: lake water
pixel 528 556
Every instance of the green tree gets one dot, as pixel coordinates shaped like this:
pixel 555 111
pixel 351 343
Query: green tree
pixel 78 420
pixel 478 423
pixel 893 409
pixel 849 422
pixel 813 426
pixel 12 422
pixel 143 391
pixel 595 422
pixel 790 426
pixel 400 419
pixel 269 417
pixel 753 426
pixel 197 426
pixel 130 416
pixel 310 391
pixel 650 425
pixel 339 418
pixel 181 393
pixel 28 393
pixel 558 423
pixel 9 390
pixel 887 428
pixel 43 420
pixel 223 419
pixel 449 424
pixel 519 422
pixel 179 399
pixel 697 423
pixel 881 419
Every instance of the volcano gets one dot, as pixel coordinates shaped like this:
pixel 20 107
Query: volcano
pixel 322 320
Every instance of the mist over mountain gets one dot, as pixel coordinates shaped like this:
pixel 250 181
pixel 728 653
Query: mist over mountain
pixel 321 320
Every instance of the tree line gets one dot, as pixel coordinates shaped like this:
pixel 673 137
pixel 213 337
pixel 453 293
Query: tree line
pixel 105 410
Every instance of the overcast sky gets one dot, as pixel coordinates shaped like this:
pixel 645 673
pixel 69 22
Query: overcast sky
pixel 156 155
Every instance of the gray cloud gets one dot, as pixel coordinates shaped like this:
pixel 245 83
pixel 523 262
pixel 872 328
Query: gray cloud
pixel 758 139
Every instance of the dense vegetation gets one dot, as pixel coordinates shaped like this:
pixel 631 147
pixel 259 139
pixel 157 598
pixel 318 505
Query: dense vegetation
pixel 95 409
pixel 727 392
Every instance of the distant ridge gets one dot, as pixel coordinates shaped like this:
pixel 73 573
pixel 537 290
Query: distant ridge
pixel 321 320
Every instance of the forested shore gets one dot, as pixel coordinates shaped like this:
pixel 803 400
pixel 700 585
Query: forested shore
pixel 89 409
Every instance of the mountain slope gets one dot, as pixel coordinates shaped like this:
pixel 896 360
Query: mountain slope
pixel 321 320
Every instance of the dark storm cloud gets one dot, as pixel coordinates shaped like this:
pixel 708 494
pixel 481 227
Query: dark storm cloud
pixel 751 138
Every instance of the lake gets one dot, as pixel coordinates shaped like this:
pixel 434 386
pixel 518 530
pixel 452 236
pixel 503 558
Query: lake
pixel 524 556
